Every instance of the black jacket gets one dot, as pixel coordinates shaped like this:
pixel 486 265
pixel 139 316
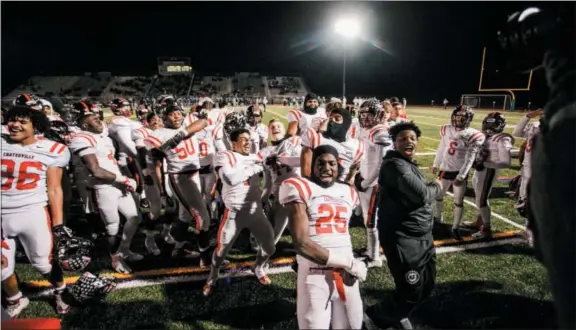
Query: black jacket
pixel 405 199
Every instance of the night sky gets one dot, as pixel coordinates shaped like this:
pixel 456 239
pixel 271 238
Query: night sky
pixel 417 50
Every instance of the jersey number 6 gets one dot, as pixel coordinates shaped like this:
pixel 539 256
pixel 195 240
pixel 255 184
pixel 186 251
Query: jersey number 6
pixel 452 147
pixel 22 175
pixel 332 219
pixel 203 146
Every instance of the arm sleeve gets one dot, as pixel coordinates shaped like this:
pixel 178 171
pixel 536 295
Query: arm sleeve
pixel 138 138
pixel 289 193
pixel 82 146
pixel 504 157
pixel 475 143
pixel 292 116
pixel 440 152
pixel 235 175
pixel 62 159
pixel 125 140
pixel 519 129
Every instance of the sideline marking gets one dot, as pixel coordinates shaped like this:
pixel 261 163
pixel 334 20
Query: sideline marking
pixel 234 267
pixel 136 283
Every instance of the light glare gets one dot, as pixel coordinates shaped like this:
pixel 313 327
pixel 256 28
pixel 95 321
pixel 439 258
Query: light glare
pixel 349 28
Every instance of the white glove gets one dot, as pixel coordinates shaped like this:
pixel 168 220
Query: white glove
pixel 257 168
pixel 354 267
pixel 129 183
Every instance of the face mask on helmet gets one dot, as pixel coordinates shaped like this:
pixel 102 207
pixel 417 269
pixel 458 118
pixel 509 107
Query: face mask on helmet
pixel 462 117
pixel 370 114
pixel 234 121
pixel 494 123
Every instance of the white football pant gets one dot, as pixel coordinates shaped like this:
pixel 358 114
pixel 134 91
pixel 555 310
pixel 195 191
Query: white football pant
pixel 368 202
pixel 323 301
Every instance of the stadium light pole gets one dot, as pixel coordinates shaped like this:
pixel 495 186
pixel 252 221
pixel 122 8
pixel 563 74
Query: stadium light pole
pixel 349 29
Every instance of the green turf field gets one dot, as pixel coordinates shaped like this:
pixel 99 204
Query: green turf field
pixel 479 286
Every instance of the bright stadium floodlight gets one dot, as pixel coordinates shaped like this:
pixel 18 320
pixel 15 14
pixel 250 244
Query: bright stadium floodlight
pixel 349 28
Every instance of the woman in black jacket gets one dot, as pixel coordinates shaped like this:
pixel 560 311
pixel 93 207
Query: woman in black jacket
pixel 406 220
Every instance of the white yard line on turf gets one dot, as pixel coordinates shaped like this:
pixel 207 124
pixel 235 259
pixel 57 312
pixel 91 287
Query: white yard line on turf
pixel 495 215
pixel 136 283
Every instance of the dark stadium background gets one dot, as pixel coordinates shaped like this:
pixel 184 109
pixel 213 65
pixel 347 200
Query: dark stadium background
pixel 433 49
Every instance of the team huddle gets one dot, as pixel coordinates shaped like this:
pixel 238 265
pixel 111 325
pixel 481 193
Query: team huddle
pixel 215 168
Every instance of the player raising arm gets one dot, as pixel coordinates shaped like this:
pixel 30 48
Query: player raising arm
pixel 241 193
pixel 328 293
pixel 311 116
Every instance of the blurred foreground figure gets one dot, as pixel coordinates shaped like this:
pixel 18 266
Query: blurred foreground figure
pixel 534 38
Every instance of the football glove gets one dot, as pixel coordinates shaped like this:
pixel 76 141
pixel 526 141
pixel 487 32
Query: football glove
pixel 358 182
pixel 62 232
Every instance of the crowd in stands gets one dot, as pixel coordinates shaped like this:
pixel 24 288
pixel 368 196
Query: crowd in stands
pixel 285 84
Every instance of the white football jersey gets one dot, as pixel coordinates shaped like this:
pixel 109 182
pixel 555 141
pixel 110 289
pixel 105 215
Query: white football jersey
pixel 24 172
pixel 245 195
pixel 527 130
pixel 87 143
pixel 354 131
pixel 207 143
pixel 184 157
pixel 262 131
pixel 377 142
pixel 120 129
pixel 350 152
pixel 138 135
pixel 454 144
pixel 329 210
pixel 499 146
pixel 291 147
pixel 306 120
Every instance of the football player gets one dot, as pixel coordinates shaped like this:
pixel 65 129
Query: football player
pixel 32 200
pixel 376 140
pixel 120 130
pixel 312 115
pixel 238 170
pixel 282 161
pixel 254 118
pixel 459 145
pixel 494 155
pixel 151 199
pixel 328 293
pixel 181 151
pixel 210 141
pixel 526 130
pixel 335 134
pixel 112 190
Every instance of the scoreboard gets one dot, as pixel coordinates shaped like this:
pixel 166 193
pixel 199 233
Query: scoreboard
pixel 174 66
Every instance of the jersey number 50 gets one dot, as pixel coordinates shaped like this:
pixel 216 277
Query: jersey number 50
pixel 22 175
pixel 331 220
pixel 187 150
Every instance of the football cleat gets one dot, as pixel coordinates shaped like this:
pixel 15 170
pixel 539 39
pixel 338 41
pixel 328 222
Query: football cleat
pixel 13 308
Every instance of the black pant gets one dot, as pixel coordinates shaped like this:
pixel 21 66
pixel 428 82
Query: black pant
pixel 412 264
